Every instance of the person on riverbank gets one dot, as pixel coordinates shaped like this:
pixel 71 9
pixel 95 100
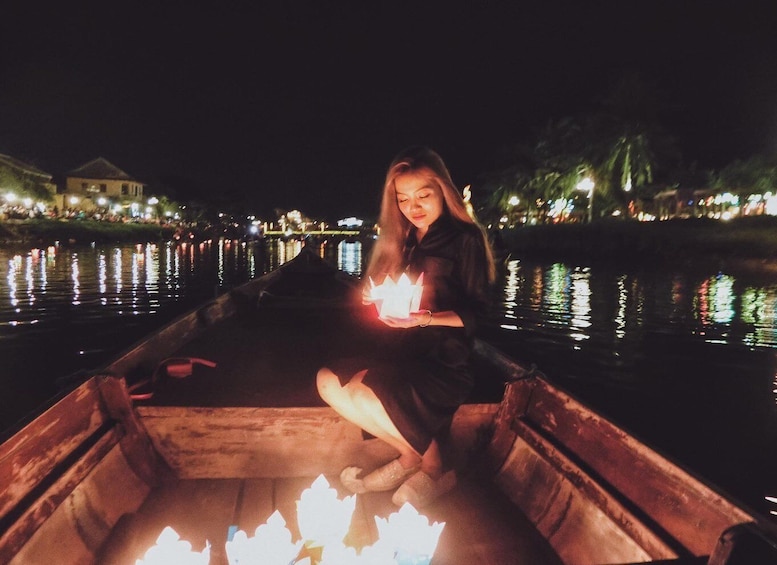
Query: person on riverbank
pixel 407 393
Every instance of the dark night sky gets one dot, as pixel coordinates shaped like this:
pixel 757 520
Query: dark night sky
pixel 303 104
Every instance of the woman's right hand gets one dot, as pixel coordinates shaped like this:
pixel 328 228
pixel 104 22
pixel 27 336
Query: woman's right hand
pixel 367 295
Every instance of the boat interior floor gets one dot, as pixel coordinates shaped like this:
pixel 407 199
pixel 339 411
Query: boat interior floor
pixel 269 358
pixel 480 526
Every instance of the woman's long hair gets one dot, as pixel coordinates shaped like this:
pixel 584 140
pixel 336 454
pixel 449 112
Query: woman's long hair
pixel 386 257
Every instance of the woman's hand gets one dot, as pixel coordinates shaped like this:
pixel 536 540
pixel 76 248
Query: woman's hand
pixel 422 318
pixel 367 295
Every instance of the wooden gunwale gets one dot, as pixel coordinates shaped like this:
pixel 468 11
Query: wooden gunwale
pixel 679 503
pixel 664 508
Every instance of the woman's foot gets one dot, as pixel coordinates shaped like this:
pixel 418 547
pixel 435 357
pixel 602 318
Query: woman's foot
pixel 349 479
pixel 421 489
pixel 391 475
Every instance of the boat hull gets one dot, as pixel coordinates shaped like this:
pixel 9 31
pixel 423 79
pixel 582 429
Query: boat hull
pixel 553 481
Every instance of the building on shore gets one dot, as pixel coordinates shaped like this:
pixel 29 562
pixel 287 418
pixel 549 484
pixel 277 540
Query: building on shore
pixel 101 185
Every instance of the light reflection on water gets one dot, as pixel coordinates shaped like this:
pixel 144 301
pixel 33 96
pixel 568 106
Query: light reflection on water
pixel 580 304
pixel 133 280
pixel 349 255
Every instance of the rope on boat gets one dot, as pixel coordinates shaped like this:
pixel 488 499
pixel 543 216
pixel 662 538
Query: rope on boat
pixel 175 367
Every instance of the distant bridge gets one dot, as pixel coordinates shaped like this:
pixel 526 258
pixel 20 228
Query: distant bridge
pixel 347 233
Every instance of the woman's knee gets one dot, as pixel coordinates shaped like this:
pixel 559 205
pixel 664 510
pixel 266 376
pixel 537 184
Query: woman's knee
pixel 362 396
pixel 328 384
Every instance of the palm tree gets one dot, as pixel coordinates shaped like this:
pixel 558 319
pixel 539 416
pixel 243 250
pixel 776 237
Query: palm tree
pixel 563 158
pixel 501 187
pixel 621 149
pixel 627 142
pixel 627 166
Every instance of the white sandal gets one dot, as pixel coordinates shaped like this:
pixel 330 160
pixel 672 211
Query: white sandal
pixel 386 477
pixel 389 476
pixel 421 489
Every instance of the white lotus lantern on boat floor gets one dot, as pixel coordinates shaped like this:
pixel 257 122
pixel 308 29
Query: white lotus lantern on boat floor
pixel 170 548
pixel 405 537
pixel 271 545
pixel 397 299
pixel 323 518
pixel 410 535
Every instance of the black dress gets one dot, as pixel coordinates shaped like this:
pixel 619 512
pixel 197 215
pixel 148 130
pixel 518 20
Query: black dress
pixel 422 375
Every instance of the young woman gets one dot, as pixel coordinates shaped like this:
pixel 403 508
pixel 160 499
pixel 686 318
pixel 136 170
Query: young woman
pixel 407 396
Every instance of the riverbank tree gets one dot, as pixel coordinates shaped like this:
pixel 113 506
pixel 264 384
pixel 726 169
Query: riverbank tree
pixel 747 242
pixel 627 157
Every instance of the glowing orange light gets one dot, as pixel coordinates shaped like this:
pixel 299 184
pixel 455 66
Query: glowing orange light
pixel 397 299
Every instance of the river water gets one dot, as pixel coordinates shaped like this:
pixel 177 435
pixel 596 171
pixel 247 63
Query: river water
pixel 683 359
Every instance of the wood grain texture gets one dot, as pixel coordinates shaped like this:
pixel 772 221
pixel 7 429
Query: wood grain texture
pixel 29 456
pixel 81 523
pixel 276 442
pixel 681 504
pixel 582 522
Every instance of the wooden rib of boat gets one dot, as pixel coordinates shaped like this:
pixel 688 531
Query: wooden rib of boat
pixel 543 479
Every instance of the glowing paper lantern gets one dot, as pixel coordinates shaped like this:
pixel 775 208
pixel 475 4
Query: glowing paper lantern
pixel 271 545
pixel 170 548
pixel 322 518
pixel 397 299
pixel 411 535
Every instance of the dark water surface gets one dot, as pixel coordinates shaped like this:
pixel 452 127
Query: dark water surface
pixel 684 360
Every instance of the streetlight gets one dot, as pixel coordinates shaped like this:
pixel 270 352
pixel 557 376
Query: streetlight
pixel 587 185
pixel 513 202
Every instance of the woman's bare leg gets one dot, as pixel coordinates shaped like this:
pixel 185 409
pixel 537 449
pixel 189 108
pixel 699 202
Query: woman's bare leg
pixel 358 404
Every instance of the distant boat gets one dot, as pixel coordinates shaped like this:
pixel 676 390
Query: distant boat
pixel 543 479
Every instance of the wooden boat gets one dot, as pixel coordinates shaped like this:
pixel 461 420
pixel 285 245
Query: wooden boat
pixel 543 479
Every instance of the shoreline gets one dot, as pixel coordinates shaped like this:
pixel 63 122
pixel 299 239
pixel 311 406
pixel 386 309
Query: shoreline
pixel 741 245
pixel 46 232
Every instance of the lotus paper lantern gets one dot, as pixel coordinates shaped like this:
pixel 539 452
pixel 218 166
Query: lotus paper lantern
pixel 397 299
pixel 170 548
pixel 404 538
pixel 322 518
pixel 410 535
pixel 271 545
